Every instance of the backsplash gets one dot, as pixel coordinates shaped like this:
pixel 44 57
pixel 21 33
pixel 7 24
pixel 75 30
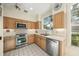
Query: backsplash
pixel 13 32
pixel 8 32
pixel 30 31
pixel 60 32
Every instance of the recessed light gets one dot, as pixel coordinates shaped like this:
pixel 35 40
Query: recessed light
pixel 31 8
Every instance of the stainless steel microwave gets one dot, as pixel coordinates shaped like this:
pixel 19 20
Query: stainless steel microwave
pixel 20 26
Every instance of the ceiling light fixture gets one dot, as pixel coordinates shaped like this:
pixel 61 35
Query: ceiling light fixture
pixel 31 8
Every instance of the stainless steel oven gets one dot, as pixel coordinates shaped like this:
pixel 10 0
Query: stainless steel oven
pixel 21 39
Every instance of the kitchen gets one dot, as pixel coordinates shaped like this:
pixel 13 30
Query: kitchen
pixel 35 29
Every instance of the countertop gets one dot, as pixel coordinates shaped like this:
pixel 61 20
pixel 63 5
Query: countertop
pixel 55 37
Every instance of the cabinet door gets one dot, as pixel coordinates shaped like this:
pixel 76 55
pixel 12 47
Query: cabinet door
pixel 37 25
pixel 37 40
pixel 29 25
pixel 5 22
pixel 43 43
pixel 9 23
pixel 33 25
pixel 12 24
pixel 31 39
pixel 58 20
pixel 9 43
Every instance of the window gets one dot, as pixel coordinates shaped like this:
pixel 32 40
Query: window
pixel 75 24
pixel 48 23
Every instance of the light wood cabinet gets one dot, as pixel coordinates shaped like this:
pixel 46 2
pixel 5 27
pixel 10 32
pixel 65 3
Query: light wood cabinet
pixel 30 38
pixel 9 23
pixel 43 43
pixel 9 43
pixel 37 25
pixel 40 41
pixel 37 40
pixel 58 20
pixel 62 48
pixel 31 25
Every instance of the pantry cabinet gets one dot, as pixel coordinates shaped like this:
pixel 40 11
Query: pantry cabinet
pixel 58 20
pixel 9 43
pixel 30 38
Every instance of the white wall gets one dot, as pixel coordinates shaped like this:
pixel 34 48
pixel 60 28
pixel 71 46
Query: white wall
pixel 1 35
pixel 1 23
pixel 11 11
pixel 70 50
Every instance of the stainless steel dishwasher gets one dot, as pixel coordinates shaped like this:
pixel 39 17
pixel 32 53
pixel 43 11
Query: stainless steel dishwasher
pixel 52 47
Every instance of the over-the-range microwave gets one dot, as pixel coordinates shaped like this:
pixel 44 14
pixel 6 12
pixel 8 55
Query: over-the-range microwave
pixel 20 26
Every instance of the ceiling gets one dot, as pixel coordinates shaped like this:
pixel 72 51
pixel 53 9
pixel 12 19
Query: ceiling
pixel 35 8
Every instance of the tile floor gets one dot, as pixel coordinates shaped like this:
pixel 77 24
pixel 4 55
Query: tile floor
pixel 31 50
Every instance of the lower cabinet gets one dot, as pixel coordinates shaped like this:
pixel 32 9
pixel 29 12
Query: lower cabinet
pixel 43 43
pixel 31 39
pixel 37 40
pixel 40 41
pixel 9 43
pixel 62 48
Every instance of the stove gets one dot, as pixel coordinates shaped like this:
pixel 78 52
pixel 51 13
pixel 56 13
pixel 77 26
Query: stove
pixel 21 39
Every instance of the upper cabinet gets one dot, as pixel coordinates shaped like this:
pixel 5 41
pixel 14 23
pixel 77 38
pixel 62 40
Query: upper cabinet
pixel 32 25
pixel 48 23
pixel 11 23
pixel 8 23
pixel 58 20
pixel 38 25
